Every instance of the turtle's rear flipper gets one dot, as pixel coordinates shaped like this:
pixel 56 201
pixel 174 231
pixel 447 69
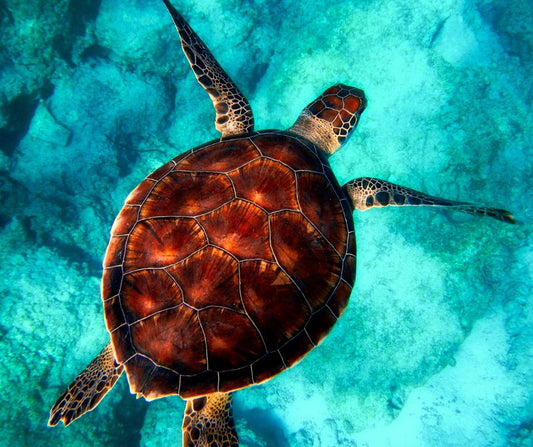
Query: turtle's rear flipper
pixel 88 388
pixel 208 421
pixel 367 192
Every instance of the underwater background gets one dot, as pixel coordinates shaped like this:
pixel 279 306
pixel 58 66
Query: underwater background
pixel 436 345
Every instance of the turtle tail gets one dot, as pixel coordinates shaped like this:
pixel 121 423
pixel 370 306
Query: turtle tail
pixel 88 388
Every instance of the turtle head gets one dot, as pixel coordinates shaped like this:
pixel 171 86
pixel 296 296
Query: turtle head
pixel 329 120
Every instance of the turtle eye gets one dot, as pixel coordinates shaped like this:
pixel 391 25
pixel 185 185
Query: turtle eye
pixel 341 106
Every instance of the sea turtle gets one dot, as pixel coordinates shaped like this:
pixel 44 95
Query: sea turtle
pixel 228 264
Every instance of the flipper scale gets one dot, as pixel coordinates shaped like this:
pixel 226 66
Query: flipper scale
pixel 369 192
pixel 233 111
pixel 88 389
pixel 208 422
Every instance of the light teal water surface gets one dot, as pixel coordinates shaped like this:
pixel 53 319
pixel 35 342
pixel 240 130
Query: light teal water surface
pixel 435 346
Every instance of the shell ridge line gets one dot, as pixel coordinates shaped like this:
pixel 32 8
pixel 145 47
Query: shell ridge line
pixel 346 282
pixel 123 256
pixel 177 285
pixel 155 183
pixel 130 357
pixel 335 186
pixel 197 171
pixel 163 217
pixel 326 303
pixel 110 298
pixel 246 311
pixel 270 240
pixel 308 171
pixel 351 233
pixel 293 282
pixel 129 332
pixel 281 357
pixel 148 377
pixel 297 188
pixel 206 236
pixel 190 306
pixel 171 169
pixel 312 225
pixel 156 365
pixel 211 244
pixel 209 144
pixel 252 203
pixel 235 196
pixel 109 267
pixel 268 157
pixel 126 243
pixel 259 157
pixel 321 234
pixel 119 295
pixel 136 220
pixel 257 260
pixel 331 311
pixel 304 142
pixel 183 156
pixel 215 306
pixel 266 354
pixel 297 334
pixel 140 269
pixel 256 147
pixel 307 333
pixel 118 327
pixel 140 320
pixel 214 209
pixel 207 361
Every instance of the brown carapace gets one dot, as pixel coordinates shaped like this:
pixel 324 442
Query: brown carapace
pixel 232 261
pixel 227 265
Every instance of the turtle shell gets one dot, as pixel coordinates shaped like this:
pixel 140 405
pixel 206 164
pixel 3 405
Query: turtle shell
pixel 227 265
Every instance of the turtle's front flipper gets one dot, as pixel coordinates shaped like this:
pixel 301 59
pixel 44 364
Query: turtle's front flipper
pixel 367 192
pixel 88 388
pixel 208 422
pixel 234 114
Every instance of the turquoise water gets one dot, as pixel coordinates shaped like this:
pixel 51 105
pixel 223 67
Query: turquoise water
pixel 435 346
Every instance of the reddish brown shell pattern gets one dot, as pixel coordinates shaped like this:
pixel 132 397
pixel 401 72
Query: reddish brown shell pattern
pixel 227 265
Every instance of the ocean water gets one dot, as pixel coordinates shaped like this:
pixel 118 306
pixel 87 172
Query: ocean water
pixel 435 347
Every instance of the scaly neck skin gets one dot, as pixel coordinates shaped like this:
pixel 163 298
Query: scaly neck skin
pixel 317 131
